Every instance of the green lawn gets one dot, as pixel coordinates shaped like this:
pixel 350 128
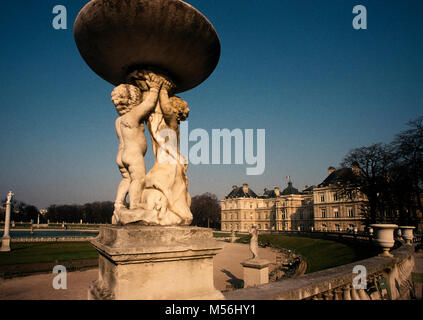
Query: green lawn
pixel 23 253
pixel 322 254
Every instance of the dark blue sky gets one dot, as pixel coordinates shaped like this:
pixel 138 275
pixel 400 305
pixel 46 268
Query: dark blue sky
pixel 295 68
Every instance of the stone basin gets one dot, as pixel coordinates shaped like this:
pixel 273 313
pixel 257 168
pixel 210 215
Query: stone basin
pixel 116 37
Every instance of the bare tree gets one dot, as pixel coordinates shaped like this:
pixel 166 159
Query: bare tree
pixel 409 147
pixel 389 175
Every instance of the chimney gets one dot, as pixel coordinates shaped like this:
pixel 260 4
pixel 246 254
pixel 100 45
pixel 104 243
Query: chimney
pixel 234 187
pixel 277 191
pixel 331 170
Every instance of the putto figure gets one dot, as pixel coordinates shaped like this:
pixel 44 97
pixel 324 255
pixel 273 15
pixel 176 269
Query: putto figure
pixel 133 107
pixel 166 189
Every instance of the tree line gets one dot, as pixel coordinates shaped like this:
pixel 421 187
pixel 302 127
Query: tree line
pixel 20 211
pixel 205 209
pixel 95 212
pixel 390 175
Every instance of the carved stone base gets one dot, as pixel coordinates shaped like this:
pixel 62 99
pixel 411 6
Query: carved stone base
pixel 146 217
pixel 256 272
pixel 5 244
pixel 155 263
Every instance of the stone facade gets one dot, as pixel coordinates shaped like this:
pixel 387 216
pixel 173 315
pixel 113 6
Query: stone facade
pixel 284 212
pixel 333 212
pixel 320 208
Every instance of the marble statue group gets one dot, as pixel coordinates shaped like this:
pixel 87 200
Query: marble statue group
pixel 159 197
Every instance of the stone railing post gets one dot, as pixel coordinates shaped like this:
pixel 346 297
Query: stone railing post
pixel 347 292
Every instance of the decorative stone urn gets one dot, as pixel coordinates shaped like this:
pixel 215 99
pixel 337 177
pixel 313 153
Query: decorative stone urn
pixel 384 237
pixel 370 231
pixel 407 234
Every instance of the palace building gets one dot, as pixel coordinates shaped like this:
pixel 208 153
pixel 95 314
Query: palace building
pixel 322 208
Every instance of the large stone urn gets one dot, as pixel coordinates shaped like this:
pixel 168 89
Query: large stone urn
pixel 407 234
pixel 384 237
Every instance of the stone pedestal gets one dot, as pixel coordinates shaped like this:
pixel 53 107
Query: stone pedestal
pixel 155 263
pixel 256 272
pixel 5 244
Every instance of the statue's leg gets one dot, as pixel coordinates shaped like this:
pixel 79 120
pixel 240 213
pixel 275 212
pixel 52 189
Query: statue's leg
pixel 123 189
pixel 136 187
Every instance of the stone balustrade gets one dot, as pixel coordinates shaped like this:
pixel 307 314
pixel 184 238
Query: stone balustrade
pixel 387 279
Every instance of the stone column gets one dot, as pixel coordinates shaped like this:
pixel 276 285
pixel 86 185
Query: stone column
pixel 5 241
pixel 155 263
pixel 256 272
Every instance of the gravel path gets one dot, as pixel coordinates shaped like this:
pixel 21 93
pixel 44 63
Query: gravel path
pixel 227 270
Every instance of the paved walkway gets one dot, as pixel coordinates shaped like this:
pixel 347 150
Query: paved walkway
pixel 227 270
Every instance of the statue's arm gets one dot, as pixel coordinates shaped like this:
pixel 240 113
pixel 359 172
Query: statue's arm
pixel 140 112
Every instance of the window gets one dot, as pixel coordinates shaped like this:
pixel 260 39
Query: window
pixel 337 227
pixel 323 212
pixel 335 197
pixel 336 212
pixel 322 197
pixel 350 212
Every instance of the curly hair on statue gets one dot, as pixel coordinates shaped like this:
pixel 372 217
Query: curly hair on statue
pixel 180 108
pixel 125 97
